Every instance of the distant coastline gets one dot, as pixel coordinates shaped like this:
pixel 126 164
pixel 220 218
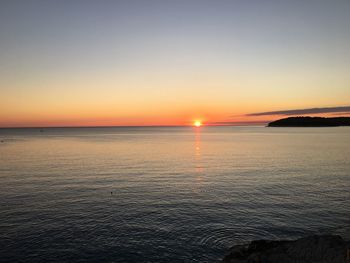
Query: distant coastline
pixel 311 122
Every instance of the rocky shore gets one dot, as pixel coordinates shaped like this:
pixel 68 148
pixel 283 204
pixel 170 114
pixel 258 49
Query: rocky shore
pixel 312 249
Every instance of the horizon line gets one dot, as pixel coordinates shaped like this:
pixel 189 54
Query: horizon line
pixel 128 126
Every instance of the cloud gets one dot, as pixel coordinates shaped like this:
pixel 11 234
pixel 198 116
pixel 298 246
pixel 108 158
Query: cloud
pixel 237 123
pixel 345 109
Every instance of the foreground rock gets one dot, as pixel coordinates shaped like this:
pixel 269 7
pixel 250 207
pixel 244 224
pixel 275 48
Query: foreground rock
pixel 320 249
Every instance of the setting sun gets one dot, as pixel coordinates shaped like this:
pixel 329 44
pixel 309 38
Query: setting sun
pixel 197 124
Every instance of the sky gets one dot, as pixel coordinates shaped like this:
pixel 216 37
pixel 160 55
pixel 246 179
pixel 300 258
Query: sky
pixel 166 62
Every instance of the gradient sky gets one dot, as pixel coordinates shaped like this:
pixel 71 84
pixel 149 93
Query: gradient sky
pixel 166 62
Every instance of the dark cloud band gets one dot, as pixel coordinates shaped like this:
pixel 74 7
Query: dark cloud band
pixel 345 109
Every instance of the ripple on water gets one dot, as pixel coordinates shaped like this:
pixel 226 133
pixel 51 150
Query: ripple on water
pixel 219 236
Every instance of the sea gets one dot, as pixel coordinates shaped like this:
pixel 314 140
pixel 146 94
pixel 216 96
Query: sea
pixel 167 194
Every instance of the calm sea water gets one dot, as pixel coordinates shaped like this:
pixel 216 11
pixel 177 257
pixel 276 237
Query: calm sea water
pixel 167 194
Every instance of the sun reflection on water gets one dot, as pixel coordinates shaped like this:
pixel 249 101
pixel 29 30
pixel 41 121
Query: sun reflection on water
pixel 197 153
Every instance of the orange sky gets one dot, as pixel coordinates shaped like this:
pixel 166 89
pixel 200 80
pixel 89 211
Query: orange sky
pixel 167 63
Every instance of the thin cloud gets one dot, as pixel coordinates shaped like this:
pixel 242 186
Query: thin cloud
pixel 345 109
pixel 237 123
pixel 341 113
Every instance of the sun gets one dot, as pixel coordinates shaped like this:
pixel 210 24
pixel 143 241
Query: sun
pixel 197 124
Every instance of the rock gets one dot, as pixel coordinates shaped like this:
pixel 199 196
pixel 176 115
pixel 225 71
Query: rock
pixel 312 249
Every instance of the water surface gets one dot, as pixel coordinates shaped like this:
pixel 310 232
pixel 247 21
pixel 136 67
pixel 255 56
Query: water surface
pixel 169 194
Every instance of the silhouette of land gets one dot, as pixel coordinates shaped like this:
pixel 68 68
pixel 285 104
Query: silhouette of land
pixel 311 122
